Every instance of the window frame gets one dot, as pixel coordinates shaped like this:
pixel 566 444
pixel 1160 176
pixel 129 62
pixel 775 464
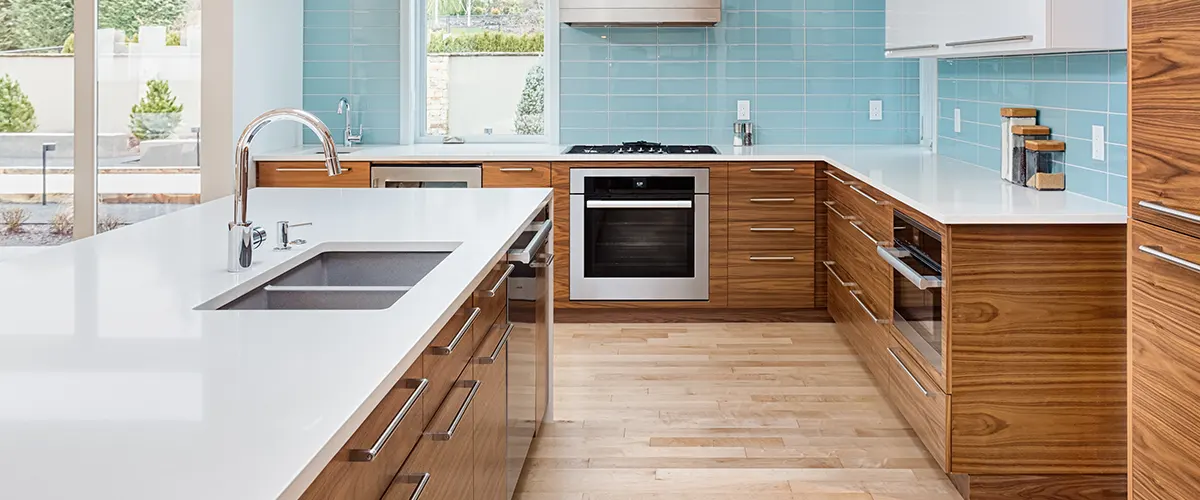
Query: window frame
pixel 413 54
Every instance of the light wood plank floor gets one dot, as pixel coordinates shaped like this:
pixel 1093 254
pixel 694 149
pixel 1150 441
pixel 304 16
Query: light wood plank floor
pixel 722 411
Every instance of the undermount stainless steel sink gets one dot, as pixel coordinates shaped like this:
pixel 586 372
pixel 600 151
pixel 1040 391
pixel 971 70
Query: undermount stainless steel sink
pixel 342 280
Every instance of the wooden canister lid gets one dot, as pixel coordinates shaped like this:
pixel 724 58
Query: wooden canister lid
pixel 1046 145
pixel 1018 112
pixel 1030 130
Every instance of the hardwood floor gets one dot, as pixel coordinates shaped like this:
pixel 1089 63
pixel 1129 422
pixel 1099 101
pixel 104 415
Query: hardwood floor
pixel 722 411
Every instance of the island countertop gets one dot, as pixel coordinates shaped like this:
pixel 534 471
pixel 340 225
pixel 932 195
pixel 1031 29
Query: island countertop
pixel 945 189
pixel 114 387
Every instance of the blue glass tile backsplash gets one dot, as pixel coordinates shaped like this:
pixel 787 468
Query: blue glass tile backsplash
pixel 809 68
pixel 1072 92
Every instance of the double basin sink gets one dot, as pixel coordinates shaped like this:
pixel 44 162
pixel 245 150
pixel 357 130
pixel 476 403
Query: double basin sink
pixel 341 280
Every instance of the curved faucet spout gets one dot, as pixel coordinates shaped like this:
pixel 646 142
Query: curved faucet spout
pixel 240 232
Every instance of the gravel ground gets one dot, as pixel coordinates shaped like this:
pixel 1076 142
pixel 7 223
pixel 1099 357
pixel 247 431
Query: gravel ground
pixel 36 235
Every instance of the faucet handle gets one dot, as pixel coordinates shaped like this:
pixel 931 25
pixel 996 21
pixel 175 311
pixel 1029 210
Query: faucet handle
pixel 283 239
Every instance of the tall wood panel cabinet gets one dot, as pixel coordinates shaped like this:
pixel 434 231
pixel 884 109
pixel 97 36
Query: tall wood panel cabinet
pixel 1164 323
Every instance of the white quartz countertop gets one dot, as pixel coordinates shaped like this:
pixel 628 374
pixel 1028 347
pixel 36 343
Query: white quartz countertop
pixel 112 387
pixel 947 190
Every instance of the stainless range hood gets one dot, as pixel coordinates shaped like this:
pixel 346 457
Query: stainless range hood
pixel 640 12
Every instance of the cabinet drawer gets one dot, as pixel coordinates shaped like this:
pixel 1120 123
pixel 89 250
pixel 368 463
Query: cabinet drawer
pixel 443 458
pixel 771 279
pixel 366 464
pixel 449 352
pixel 312 174
pixel 491 413
pixel 862 202
pixel 856 254
pixel 1165 330
pixel 491 298
pixel 782 177
pixel 918 397
pixel 516 175
pixel 772 235
pixel 772 206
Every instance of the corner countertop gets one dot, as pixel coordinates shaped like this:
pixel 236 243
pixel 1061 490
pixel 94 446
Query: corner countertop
pixel 947 190
pixel 113 387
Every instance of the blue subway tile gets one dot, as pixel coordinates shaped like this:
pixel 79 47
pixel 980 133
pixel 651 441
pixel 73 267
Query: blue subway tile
pixel 1087 67
pixel 1018 68
pixel 1118 190
pixel 1087 182
pixel 1118 159
pixel 1050 68
pixel 632 86
pixel 1087 96
pixel 1118 129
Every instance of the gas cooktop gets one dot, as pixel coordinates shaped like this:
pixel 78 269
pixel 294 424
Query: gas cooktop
pixel 642 147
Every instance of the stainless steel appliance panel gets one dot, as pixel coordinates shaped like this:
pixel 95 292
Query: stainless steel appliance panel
pixel 426 176
pixel 916 259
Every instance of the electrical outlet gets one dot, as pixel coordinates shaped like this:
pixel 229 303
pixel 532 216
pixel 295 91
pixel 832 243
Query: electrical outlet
pixel 1098 142
pixel 876 110
pixel 743 111
pixel 957 120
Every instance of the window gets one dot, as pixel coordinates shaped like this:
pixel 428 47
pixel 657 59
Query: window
pixel 482 70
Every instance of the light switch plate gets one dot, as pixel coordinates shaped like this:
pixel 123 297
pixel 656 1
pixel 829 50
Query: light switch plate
pixel 743 111
pixel 1098 142
pixel 876 110
pixel 957 120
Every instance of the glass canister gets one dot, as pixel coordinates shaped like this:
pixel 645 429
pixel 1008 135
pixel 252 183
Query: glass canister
pixel 1040 160
pixel 1008 118
pixel 1020 135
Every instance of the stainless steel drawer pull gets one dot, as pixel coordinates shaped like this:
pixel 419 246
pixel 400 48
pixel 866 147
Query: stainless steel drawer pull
pixel 539 265
pixel 829 267
pixel 835 211
pixel 981 41
pixel 863 305
pixel 858 225
pixel 772 229
pixel 893 255
pixel 867 196
pixel 421 480
pixel 313 169
pixel 772 200
pixel 772 170
pixel 444 351
pixel 906 370
pixel 495 289
pixel 1158 253
pixel 369 454
pixel 527 254
pixel 772 259
pixel 491 360
pixel 833 175
pixel 517 169
pixel 462 410
pixel 1170 211
pixel 911 47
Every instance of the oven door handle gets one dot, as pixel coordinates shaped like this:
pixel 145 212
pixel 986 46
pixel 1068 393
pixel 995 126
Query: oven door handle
pixel 639 204
pixel 893 255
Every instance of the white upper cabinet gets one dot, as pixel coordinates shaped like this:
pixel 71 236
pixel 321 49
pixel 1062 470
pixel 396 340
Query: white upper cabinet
pixel 972 28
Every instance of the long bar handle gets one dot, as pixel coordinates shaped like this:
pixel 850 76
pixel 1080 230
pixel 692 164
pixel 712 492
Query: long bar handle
pixel 639 204
pixel 310 169
pixel 516 169
pixel 772 229
pixel 981 41
pixel 835 211
pixel 491 360
pixel 772 200
pixel 770 259
pixel 462 411
pixel 867 196
pixel 906 370
pixel 495 289
pixel 772 170
pixel 421 480
pixel 911 47
pixel 858 225
pixel 444 351
pixel 369 454
pixel 1158 253
pixel 919 280
pixel 538 265
pixel 1190 217
pixel 833 175
pixel 829 267
pixel 874 318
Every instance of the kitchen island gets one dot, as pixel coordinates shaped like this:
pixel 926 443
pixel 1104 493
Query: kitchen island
pixel 113 385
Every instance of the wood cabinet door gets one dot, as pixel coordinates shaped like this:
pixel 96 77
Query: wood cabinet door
pixel 1164 170
pixel 491 413
pixel 1165 364
pixel 312 174
pixel 445 451
pixel 516 174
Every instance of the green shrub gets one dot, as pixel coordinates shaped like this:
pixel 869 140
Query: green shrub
pixel 173 39
pixel 530 111
pixel 69 44
pixel 157 115
pixel 16 112
pixel 129 15
pixel 131 38
pixel 8 25
pixel 485 41
pixel 42 23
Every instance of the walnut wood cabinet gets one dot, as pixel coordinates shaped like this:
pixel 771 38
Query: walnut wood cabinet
pixel 312 174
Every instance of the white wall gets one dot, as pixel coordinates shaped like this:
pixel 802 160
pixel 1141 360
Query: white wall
pixel 484 92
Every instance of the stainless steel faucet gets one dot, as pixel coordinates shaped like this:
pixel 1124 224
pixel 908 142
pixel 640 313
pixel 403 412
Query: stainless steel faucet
pixel 350 139
pixel 243 236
